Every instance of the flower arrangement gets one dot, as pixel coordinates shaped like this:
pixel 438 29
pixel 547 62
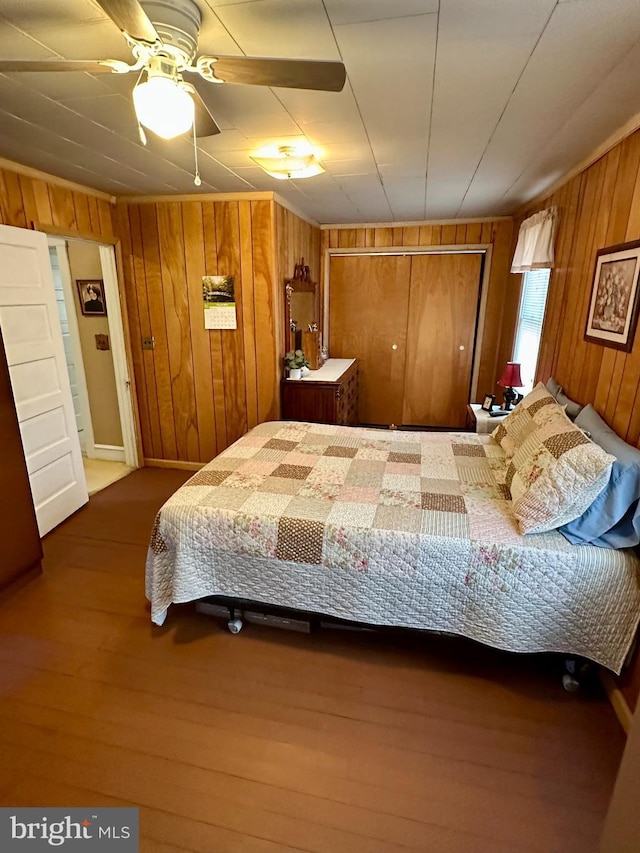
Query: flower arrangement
pixel 295 360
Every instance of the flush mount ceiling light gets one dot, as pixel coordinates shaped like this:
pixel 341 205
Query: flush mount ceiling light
pixel 289 163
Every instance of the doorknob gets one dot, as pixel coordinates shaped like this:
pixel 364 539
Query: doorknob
pixel 460 347
pixel 394 346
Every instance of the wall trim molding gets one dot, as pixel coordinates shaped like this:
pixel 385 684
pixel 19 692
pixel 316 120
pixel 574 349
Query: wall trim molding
pixel 108 452
pixel 159 199
pixel 616 697
pixel 173 463
pixel 30 172
pixel 410 224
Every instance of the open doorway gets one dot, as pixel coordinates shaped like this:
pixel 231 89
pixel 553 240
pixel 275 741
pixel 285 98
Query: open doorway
pixel 91 322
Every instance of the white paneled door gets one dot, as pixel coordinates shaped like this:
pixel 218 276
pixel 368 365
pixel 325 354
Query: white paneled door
pixel 39 378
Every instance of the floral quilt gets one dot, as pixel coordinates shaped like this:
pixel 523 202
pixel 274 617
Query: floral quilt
pixel 413 529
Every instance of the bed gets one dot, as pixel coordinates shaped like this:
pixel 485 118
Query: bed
pixel 388 528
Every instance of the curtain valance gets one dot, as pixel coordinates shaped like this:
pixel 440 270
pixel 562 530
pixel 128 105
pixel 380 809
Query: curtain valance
pixel 534 249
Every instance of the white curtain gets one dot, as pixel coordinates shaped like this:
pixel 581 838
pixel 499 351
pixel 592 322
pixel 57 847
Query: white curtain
pixel 534 249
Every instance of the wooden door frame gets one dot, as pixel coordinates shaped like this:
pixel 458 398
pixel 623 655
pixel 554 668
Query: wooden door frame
pixel 456 249
pixel 116 288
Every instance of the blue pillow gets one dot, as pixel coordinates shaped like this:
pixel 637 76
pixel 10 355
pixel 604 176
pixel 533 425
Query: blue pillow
pixel 572 408
pixel 613 519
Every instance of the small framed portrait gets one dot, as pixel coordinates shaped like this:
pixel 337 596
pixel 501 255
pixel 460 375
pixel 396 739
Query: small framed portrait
pixel 613 309
pixel 487 403
pixel 91 295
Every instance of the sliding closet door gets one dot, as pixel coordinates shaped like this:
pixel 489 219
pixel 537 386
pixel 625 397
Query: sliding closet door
pixel 443 307
pixel 368 308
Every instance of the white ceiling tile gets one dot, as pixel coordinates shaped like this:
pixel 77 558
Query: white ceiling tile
pixel 554 84
pixel 360 11
pixel 280 28
pixel 271 125
pixel 503 124
pixel 390 67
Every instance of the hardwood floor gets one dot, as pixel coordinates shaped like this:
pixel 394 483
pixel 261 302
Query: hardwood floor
pixel 271 741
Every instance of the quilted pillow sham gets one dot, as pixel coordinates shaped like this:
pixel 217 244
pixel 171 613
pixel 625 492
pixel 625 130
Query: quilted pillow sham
pixel 530 413
pixel 555 474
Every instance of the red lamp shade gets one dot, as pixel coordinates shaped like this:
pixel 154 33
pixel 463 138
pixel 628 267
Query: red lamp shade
pixel 511 377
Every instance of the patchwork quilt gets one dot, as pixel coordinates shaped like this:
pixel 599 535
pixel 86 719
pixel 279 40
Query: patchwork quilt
pixel 413 529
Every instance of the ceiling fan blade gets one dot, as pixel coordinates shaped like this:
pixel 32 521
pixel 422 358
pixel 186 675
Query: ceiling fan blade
pixel 95 66
pixel 292 73
pixel 130 17
pixel 204 121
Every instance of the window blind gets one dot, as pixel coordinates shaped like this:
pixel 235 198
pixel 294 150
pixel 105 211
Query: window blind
pixel 529 329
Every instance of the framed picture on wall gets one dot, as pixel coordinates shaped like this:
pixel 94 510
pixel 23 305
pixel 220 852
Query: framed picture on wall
pixel 91 295
pixel 613 308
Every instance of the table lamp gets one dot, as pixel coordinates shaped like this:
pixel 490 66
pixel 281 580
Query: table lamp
pixel 510 378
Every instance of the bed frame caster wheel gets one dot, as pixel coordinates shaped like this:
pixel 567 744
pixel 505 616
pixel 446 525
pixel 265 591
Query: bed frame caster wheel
pixel 570 683
pixel 235 625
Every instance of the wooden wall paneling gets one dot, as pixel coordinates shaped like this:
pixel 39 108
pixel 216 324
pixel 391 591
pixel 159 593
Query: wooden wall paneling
pixel 157 316
pixel 621 417
pixel 494 350
pixel 397 237
pixel 131 289
pixel 588 357
pixel 5 215
pixel 43 202
pixel 62 208
pixel 578 264
pixel 179 332
pixel 383 237
pixel 105 216
pixel 28 199
pixel 411 235
pixel 12 200
pixel 430 235
pixel 94 213
pixel 248 314
pixel 233 364
pixel 83 217
pixel 347 238
pixel 474 233
pixel 616 233
pixel 152 360
pixel 461 234
pixel 268 356
pixel 215 336
pixel 195 266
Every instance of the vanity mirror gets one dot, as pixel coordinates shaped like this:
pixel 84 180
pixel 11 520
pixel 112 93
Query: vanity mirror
pixel 302 313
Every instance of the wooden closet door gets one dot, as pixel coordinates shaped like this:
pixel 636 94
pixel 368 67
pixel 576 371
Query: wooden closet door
pixel 443 309
pixel 368 306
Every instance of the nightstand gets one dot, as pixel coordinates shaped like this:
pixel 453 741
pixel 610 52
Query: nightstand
pixel 481 421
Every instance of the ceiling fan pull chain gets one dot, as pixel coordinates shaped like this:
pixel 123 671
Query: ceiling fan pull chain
pixel 196 178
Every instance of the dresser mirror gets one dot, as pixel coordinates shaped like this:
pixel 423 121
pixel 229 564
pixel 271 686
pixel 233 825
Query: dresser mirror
pixel 302 310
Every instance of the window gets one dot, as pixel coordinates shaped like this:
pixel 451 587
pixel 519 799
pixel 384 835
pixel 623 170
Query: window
pixel 530 316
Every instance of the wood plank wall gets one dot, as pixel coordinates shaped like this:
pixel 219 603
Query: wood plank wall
pixel 26 200
pixel 494 351
pixel 199 390
pixel 598 207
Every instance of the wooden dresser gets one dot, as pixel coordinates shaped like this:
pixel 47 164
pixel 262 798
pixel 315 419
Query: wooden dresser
pixel 21 548
pixel 326 396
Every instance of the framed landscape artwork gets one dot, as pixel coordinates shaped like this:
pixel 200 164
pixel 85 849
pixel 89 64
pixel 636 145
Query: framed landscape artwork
pixel 613 308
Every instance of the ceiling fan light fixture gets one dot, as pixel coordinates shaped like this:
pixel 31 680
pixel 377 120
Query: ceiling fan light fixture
pixel 289 163
pixel 163 106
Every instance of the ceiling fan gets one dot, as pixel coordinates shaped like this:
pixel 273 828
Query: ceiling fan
pixel 163 37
